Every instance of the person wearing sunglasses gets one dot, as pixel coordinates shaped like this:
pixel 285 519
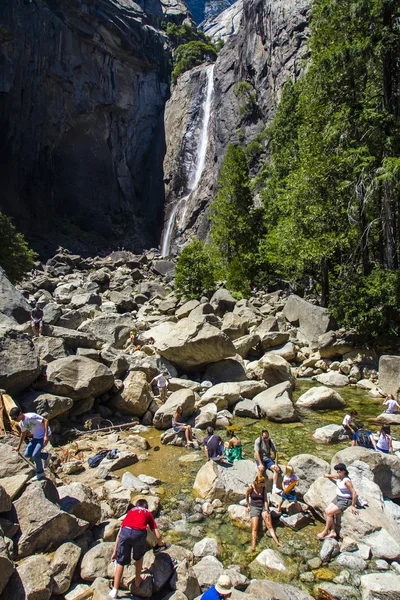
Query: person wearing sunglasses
pixel 345 496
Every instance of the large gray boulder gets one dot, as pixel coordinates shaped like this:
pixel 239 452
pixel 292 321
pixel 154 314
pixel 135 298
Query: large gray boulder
pixel 389 374
pixel 12 464
pixel 73 339
pixel 333 379
pixel 110 328
pixel 312 321
pixel 63 565
pixel 227 370
pixel 329 434
pixel 96 561
pixel 50 349
pixel 31 581
pixel 380 586
pixel 250 389
pixel 12 302
pixel 261 589
pixel 43 524
pixel 276 403
pixel 79 500
pixel 319 398
pixel 190 345
pixel 222 394
pixel 244 344
pixel 6 564
pixel 272 368
pixel 185 398
pixel 46 405
pixel 228 484
pixel 233 326
pixel 19 361
pixel 222 301
pixel 136 396
pixel 308 468
pixel 331 344
pixel 78 378
pixel 270 339
pixel 247 408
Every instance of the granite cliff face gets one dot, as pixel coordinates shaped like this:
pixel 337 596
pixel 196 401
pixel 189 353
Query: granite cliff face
pixel 83 84
pixel 266 50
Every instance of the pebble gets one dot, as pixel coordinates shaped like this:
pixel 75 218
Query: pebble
pixel 381 565
pixel 307 577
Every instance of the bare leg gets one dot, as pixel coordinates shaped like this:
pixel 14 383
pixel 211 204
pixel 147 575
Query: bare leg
pixel 119 569
pixel 268 523
pixel 330 513
pixel 254 527
pixel 138 568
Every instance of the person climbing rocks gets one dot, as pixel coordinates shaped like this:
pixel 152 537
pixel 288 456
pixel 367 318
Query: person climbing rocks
pixel 391 404
pixel 213 446
pixel 222 589
pixel 162 384
pixel 179 425
pixel 37 319
pixel 263 448
pixel 345 496
pixel 348 423
pixel 257 506
pixel 39 428
pixel 363 437
pixel 232 447
pixel 131 543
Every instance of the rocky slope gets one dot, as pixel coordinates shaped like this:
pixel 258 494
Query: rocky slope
pixel 83 88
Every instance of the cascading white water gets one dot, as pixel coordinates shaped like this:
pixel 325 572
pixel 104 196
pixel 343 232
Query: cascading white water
pixel 195 176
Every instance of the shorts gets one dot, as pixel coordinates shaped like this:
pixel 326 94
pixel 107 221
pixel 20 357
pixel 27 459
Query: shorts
pixel 290 496
pixel 131 544
pixel 382 450
pixel 341 502
pixel 256 511
pixel 38 323
pixel 267 462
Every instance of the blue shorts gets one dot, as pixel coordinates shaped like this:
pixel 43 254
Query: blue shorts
pixel 267 462
pixel 382 450
pixel 290 496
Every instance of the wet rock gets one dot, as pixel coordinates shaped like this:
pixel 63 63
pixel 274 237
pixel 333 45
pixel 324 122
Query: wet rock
pixel 32 580
pixel 96 561
pixel 297 521
pixel 79 500
pixel 63 565
pixel 273 369
pixel 330 434
pixel 276 403
pixel 271 560
pixel 184 398
pixel 133 483
pixel 78 378
pixel 136 397
pixel 308 468
pixel 318 398
pixel 19 361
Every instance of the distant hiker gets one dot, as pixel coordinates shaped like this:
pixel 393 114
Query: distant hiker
pixel 213 446
pixel 222 589
pixel 37 319
pixel 345 496
pixel 392 405
pixel 162 383
pixel 257 505
pixel 131 543
pixel 290 480
pixel 385 441
pixel 39 428
pixel 263 448
pixel 348 423
pixel 178 425
pixel 363 437
pixel 233 447
pixel 151 341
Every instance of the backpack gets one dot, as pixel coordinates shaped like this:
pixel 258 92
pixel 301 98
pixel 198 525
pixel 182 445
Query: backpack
pixel 363 439
pixel 94 461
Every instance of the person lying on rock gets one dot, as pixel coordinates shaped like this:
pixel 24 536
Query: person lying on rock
pixel 162 384
pixel 131 543
pixel 263 448
pixel 363 437
pixel 222 589
pixel 391 404
pixel 179 425
pixel 39 428
pixel 233 447
pixel 345 496
pixel 213 446
pixel 257 506
pixel 348 423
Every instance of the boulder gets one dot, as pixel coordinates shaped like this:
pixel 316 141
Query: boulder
pixel 271 560
pixel 12 302
pixel 263 589
pixel 388 419
pixel 175 384
pixel 12 464
pixel 43 524
pixel 226 483
pixel 208 571
pixel 222 301
pixel 286 351
pixel 136 396
pixel 79 500
pixel 329 550
pixel 206 547
pixel 78 378
pixel 96 561
pixel 273 369
pixel 247 408
pixel 207 416
pixel 227 370
pixel 380 586
pixel 321 397
pixel 31 581
pixel 109 328
pixel 19 361
pixel 332 379
pixel 71 338
pixel 240 516
pixel 332 344
pixel 222 394
pixel 244 344
pixel 276 403
pixel 186 308
pixel 330 434
pixel 190 345
pixel 51 313
pixel 5 500
pixel 132 482
pixel 185 398
pixel 308 468
pixel 249 389
pixel 389 374
pixel 312 321
pixel 270 339
pixel 233 326
pixel 107 465
pixel 63 565
pixel 6 564
pixel 349 561
pixel 50 349
pixel 46 405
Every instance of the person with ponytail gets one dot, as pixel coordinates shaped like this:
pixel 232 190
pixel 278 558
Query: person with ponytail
pixel 345 496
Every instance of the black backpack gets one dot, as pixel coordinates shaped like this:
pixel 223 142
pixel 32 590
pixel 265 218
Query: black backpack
pixel 95 460
pixel 363 439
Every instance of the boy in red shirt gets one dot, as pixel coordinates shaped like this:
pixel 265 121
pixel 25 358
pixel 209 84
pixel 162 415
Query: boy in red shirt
pixel 131 542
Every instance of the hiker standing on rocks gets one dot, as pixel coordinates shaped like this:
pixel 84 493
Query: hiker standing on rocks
pixel 37 319
pixel 222 589
pixel 162 384
pixel 345 496
pixel 39 428
pixel 131 543
pixel 263 447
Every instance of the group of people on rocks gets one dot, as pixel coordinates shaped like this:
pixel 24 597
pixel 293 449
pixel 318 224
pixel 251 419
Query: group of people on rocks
pixel 382 442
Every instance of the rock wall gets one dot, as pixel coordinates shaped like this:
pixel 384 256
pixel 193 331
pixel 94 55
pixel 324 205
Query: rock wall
pixel 83 85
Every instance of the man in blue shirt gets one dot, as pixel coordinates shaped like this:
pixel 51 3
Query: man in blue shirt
pixel 222 589
pixel 363 437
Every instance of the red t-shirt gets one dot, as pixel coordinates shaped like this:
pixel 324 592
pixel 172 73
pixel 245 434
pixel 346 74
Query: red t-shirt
pixel 139 518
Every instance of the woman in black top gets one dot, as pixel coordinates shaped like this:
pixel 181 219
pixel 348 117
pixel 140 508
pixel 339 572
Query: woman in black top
pixel 257 505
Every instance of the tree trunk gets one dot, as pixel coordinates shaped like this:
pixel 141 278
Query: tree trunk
pixel 324 283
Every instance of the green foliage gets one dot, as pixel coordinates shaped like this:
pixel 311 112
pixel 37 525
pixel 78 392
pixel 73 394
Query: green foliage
pixel 190 55
pixel 183 34
pixel 249 108
pixel 16 258
pixel 194 274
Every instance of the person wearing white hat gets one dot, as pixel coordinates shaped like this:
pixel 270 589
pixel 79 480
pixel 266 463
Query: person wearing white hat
pixel 222 589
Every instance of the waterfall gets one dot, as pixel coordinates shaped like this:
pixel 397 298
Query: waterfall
pixel 195 176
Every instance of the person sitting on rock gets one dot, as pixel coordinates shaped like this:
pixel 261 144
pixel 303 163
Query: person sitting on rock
pixel 392 405
pixel 257 506
pixel 345 496
pixel 37 320
pixel 39 428
pixel 222 589
pixel 213 446
pixel 233 447
pixel 348 423
pixel 363 437
pixel 263 447
pixel 385 441
pixel 162 384
pixel 290 480
pixel 131 543
pixel 178 425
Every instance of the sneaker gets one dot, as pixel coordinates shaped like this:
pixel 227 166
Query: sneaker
pixel 158 549
pixel 276 490
pixel 113 593
pixel 38 477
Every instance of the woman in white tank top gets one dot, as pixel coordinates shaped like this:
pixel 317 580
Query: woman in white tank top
pixel 345 496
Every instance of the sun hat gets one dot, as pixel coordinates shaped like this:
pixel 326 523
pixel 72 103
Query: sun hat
pixel 340 467
pixel 224 585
